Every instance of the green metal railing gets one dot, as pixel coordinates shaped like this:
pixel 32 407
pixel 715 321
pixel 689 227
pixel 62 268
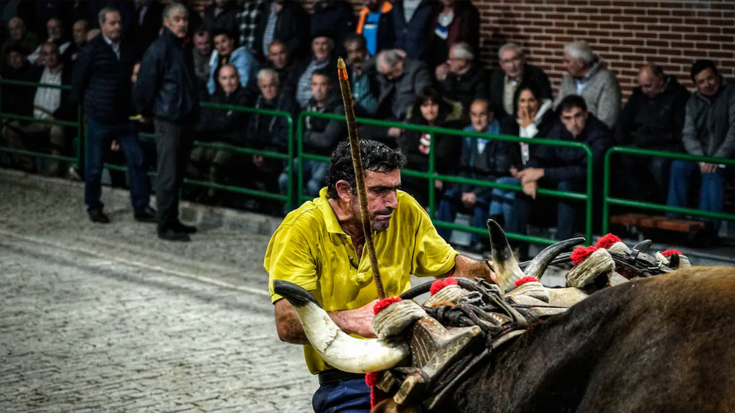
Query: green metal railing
pixel 74 124
pixel 608 200
pixel 431 174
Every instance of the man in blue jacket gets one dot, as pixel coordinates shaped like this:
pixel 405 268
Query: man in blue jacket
pixel 167 90
pixel 101 80
pixel 565 168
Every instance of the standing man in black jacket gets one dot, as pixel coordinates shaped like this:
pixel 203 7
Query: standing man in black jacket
pixel 167 90
pixel 101 80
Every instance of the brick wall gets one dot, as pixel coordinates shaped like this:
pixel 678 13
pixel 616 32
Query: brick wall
pixel 625 33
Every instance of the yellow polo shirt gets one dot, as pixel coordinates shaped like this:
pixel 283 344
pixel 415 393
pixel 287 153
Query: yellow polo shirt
pixel 310 249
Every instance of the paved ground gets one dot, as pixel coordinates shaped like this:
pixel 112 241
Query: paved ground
pixel 108 318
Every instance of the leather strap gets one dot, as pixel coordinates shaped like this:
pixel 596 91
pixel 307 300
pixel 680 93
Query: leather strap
pixel 335 376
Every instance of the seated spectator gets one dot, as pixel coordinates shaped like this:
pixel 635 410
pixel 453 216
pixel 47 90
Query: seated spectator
pixel 48 103
pixel 19 35
pixel 202 55
pixel 55 35
pixel 247 20
pixel 400 79
pixel 412 25
pixel 320 135
pixel 322 58
pixel 430 109
pixel 461 78
pixel 146 23
pixel 226 54
pixel 653 118
pixel 279 59
pixel 221 15
pixel 286 21
pixel 80 31
pixel 514 71
pixel 220 126
pixel 709 130
pixel 334 19
pixel 587 77
pixel 564 168
pixel 375 23
pixel 457 22
pixel 534 119
pixel 268 132
pixel 483 159
pixel 363 85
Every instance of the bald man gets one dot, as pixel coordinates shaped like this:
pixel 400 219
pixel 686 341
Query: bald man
pixel 652 118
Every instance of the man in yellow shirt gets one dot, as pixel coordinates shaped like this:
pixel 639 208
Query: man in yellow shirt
pixel 319 247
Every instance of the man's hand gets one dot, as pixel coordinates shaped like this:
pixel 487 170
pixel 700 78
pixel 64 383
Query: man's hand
pixel 707 168
pixel 441 71
pixel 514 172
pixel 438 184
pixel 530 175
pixel 469 268
pixel 394 132
pixel 469 199
pixel 258 161
pixel 114 146
pixel 530 189
pixel 524 118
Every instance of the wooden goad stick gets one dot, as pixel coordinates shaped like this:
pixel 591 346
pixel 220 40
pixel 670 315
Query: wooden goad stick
pixel 344 85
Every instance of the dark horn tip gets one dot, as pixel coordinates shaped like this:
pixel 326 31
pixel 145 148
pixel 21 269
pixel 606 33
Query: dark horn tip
pixel 295 295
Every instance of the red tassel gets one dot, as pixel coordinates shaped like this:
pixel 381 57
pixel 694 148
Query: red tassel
pixel 527 279
pixel 581 253
pixel 384 303
pixel 376 395
pixel 669 253
pixel 373 378
pixel 437 285
pixel 607 241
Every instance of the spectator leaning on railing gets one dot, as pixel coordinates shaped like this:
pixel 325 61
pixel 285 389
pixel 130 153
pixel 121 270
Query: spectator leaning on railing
pixel 483 159
pixel 587 77
pixel 320 135
pixel 709 130
pixel 102 84
pixel 166 89
pixel 564 168
pixel 652 118
pixel 462 78
pixel 47 103
pixel 514 71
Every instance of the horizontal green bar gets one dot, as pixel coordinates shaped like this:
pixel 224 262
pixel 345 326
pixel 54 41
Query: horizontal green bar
pixel 481 231
pixel 147 136
pixel 316 157
pixel 238 149
pixel 34 120
pixel 33 84
pixel 666 208
pixel 38 154
pixel 670 155
pixel 247 109
pixel 453 132
pixel 253 192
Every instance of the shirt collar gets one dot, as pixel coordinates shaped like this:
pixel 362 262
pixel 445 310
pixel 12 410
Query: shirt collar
pixel 330 219
pixel 110 42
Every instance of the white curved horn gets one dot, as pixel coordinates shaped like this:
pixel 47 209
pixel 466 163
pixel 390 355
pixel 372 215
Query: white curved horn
pixel 333 345
pixel 505 265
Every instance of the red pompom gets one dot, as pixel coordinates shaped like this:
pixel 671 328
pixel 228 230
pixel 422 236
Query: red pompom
pixel 373 378
pixel 581 253
pixel 437 285
pixel 384 303
pixel 607 241
pixel 668 253
pixel 527 279
pixel 377 396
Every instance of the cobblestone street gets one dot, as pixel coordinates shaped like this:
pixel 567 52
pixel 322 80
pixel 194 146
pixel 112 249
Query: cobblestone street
pixel 107 318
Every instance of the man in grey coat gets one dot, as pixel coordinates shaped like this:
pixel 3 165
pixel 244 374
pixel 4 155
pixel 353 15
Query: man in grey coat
pixel 400 79
pixel 589 78
pixel 709 130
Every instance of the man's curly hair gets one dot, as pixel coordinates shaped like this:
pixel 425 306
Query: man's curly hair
pixel 376 157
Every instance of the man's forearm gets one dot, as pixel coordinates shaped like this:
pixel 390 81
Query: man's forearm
pixel 356 321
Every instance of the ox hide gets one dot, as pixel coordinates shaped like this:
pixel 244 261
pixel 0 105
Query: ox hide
pixel 655 345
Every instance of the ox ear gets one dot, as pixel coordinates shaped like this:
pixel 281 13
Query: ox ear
pixel 674 261
pixel 504 263
pixel 537 266
pixel 333 345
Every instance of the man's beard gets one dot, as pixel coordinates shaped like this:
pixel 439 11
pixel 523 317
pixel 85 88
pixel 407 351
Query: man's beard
pixel 378 225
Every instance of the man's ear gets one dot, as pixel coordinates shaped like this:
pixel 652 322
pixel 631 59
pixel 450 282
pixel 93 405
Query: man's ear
pixel 344 190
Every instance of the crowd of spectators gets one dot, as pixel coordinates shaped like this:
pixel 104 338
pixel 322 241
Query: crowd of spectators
pixel 412 61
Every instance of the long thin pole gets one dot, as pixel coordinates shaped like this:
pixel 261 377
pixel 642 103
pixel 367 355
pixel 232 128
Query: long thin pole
pixel 344 85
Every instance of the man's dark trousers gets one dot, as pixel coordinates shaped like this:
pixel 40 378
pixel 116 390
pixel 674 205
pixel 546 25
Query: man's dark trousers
pixel 174 143
pixel 99 138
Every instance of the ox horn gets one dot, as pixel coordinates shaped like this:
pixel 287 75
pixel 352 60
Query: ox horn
pixel 537 267
pixel 333 345
pixel 504 263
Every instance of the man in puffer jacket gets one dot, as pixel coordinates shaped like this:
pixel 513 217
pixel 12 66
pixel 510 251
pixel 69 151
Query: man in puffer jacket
pixel 589 78
pixel 709 130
